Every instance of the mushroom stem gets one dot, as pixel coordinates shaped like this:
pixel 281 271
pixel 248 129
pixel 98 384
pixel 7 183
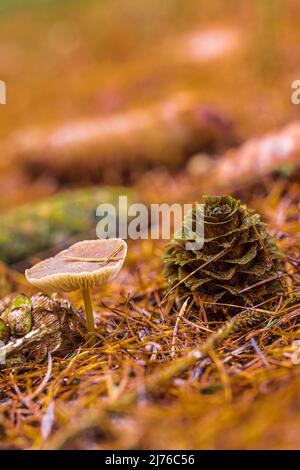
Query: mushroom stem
pixel 88 310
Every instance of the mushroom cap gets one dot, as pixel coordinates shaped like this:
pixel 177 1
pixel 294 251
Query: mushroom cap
pixel 86 264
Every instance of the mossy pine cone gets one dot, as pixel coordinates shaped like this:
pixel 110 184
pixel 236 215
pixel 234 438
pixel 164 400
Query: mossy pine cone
pixel 64 328
pixel 237 253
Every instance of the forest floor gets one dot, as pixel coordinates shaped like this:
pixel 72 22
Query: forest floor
pixel 142 385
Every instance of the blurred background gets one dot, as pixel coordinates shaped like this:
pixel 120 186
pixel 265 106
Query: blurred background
pixel 104 92
pixel 66 60
pixel 62 60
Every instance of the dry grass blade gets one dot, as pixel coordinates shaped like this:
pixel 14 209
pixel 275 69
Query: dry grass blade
pixel 180 315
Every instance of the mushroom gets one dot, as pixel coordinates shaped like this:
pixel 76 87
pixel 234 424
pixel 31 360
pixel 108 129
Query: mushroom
pixel 82 266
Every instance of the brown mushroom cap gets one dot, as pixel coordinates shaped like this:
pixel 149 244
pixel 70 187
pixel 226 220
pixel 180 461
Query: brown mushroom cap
pixel 84 265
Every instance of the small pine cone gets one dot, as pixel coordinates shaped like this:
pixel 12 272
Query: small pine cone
pixel 54 325
pixel 237 253
pixel 59 321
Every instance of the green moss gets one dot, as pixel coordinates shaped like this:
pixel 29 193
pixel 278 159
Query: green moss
pixel 27 230
pixel 4 331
